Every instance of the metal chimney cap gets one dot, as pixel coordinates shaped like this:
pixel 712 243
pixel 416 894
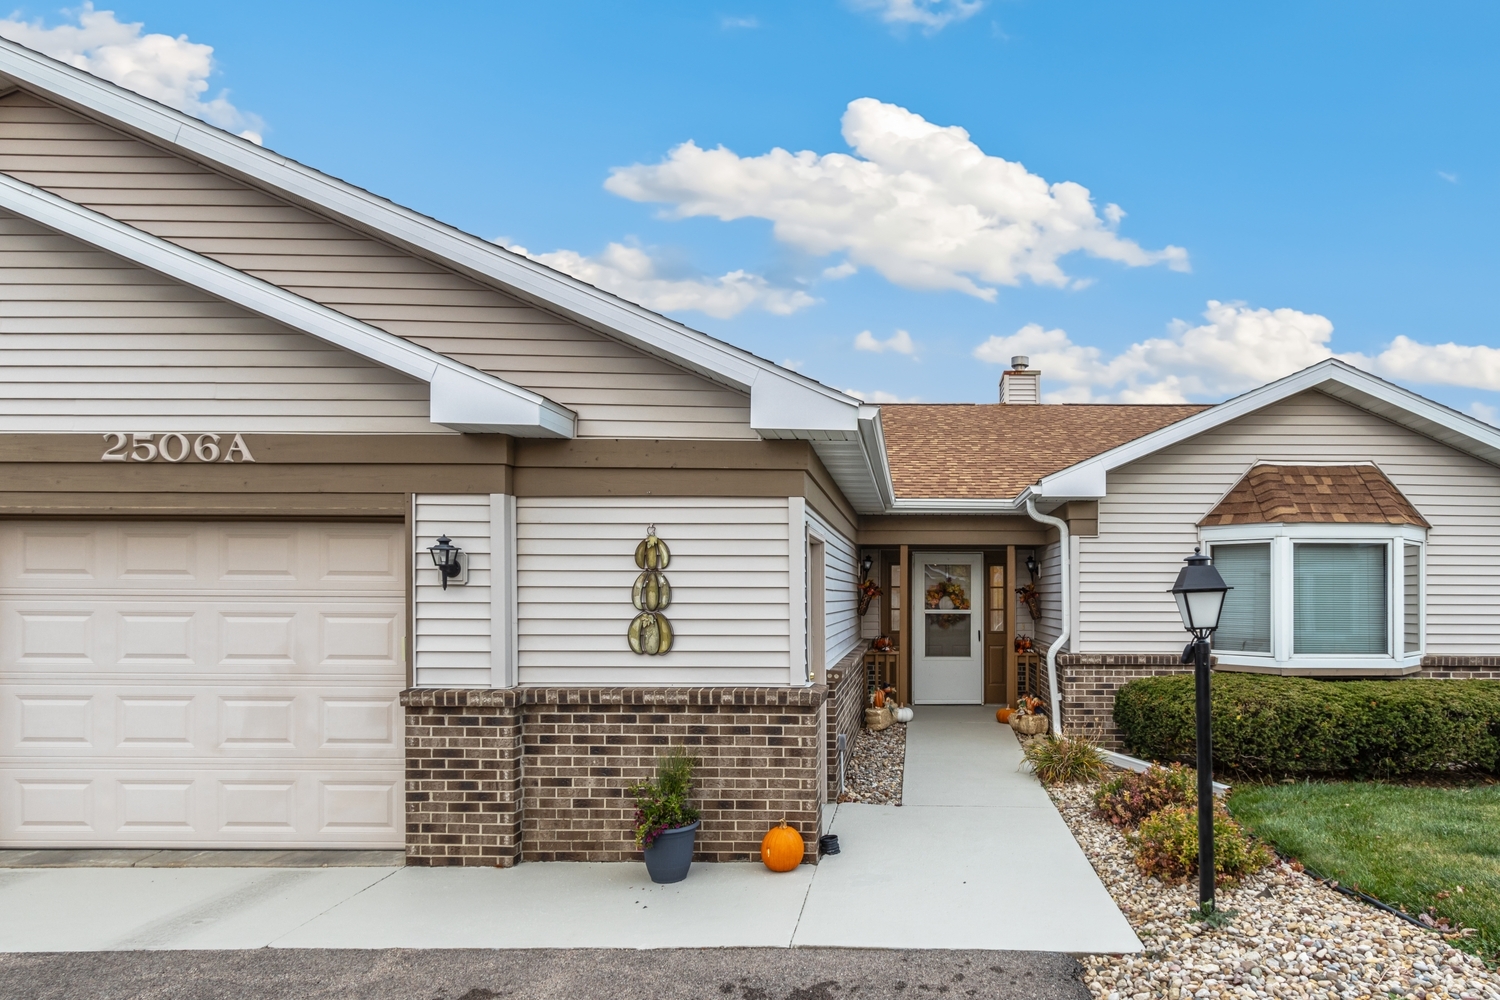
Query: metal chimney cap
pixel 1019 362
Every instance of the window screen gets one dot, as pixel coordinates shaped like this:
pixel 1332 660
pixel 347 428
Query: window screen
pixel 1411 599
pixel 1339 599
pixel 1245 623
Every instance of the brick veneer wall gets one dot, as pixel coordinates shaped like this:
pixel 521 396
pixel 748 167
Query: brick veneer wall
pixel 1089 681
pixel 759 752
pixel 463 777
pixel 847 689
pixel 497 776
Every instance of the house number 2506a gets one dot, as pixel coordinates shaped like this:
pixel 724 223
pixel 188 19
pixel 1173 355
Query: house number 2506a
pixel 175 447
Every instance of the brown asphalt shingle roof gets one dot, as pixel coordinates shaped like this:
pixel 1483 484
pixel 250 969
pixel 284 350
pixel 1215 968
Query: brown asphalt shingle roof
pixel 994 450
pixel 1326 494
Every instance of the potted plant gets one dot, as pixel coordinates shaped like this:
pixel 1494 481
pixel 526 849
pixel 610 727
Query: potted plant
pixel 665 824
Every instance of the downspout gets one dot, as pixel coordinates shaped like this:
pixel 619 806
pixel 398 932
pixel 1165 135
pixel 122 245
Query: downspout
pixel 1067 618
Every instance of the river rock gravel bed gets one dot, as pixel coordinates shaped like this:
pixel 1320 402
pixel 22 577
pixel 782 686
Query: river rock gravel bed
pixel 1291 936
pixel 876 767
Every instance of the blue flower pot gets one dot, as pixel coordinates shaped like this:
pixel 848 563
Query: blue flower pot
pixel 668 859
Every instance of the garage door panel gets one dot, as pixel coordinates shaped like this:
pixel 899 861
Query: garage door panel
pixel 201 685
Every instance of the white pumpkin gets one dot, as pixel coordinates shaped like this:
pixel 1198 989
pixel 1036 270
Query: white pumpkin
pixel 903 714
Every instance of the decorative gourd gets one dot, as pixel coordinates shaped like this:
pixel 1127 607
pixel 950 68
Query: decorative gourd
pixel 782 848
pixel 879 698
pixel 1003 715
pixel 904 714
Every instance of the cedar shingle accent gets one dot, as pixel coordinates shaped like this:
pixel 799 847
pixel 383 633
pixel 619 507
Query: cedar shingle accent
pixel 1318 494
pixel 992 450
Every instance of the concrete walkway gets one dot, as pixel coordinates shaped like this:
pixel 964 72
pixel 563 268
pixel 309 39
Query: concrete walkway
pixel 977 857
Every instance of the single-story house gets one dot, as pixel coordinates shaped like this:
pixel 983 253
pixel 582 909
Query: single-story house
pixel 247 408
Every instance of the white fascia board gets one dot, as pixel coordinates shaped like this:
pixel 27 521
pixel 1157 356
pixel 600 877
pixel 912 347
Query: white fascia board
pixel 872 441
pixel 1005 505
pixel 1334 377
pixel 783 407
pixel 380 217
pixel 460 397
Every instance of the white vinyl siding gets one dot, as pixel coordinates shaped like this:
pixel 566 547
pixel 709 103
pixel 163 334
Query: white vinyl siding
pixel 1148 521
pixel 90 342
pixel 1050 626
pixel 730 573
pixel 1411 598
pixel 451 638
pixel 616 390
pixel 840 590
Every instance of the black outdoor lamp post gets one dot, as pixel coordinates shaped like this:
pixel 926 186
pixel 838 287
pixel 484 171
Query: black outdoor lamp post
pixel 445 558
pixel 1200 594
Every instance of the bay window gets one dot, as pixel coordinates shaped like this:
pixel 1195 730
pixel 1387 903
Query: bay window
pixel 1320 598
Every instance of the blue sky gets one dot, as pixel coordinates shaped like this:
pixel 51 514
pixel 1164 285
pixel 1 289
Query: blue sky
pixel 1326 172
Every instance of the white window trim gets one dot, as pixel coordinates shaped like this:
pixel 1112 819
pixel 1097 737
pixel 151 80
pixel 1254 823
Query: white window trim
pixel 1282 537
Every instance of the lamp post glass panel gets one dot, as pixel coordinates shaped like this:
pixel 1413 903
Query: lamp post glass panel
pixel 1200 591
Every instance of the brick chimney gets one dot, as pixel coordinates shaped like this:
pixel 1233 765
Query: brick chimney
pixel 1021 384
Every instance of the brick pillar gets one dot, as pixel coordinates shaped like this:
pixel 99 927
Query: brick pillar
pixel 463 777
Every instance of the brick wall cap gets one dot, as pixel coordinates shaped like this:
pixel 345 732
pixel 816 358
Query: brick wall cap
pixel 810 696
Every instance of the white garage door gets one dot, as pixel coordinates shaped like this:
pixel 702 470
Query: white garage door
pixel 201 685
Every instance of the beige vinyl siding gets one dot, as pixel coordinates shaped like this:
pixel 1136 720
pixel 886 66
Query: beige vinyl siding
pixel 451 637
pixel 840 590
pixel 616 390
pixel 1148 522
pixel 90 342
pixel 1050 627
pixel 730 570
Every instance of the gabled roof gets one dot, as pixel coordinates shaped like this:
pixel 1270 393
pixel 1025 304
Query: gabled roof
pixel 1463 433
pixel 783 404
pixel 460 397
pixel 996 450
pixel 1314 494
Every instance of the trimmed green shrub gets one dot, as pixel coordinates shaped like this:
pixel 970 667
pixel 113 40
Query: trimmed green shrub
pixel 1166 845
pixel 1061 760
pixel 1128 798
pixel 1297 727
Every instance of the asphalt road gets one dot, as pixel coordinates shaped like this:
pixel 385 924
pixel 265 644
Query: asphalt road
pixel 575 974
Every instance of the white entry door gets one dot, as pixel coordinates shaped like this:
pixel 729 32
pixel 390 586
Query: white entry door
pixel 201 685
pixel 948 655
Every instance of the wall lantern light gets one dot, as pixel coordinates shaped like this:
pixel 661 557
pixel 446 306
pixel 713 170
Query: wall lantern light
pixel 1200 591
pixel 1032 567
pixel 445 557
pixel 865 565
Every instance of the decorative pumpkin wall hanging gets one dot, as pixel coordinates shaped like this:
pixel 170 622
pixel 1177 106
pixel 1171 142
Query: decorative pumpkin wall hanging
pixel 650 633
pixel 782 848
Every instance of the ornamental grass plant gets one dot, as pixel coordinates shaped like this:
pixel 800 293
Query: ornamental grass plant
pixel 662 804
pixel 1062 760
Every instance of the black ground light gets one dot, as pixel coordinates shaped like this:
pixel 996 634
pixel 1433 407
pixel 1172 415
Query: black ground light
pixel 1200 594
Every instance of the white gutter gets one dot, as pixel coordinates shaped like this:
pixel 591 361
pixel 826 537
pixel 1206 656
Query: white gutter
pixel 1062 637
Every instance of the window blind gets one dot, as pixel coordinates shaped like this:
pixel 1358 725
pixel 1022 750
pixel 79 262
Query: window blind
pixel 1411 583
pixel 1245 623
pixel 1339 599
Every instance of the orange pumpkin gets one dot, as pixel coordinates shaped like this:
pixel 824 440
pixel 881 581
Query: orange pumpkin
pixel 879 698
pixel 1003 715
pixel 782 848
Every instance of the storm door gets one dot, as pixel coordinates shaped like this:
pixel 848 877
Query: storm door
pixel 948 652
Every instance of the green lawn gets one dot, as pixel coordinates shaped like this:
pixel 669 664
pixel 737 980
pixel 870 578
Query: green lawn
pixel 1406 846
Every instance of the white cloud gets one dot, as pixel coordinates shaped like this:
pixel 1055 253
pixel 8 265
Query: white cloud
pixel 630 273
pixel 920 203
pixel 900 342
pixel 879 396
pixel 1450 178
pixel 1484 411
pixel 930 15
pixel 1238 348
pixel 731 23
pixel 171 70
